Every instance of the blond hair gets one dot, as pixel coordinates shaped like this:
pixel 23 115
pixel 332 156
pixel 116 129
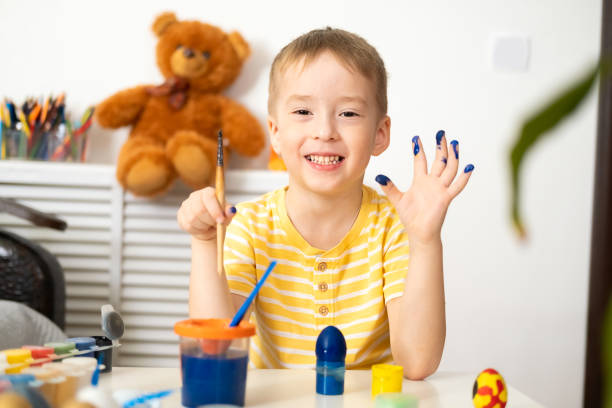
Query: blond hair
pixel 349 48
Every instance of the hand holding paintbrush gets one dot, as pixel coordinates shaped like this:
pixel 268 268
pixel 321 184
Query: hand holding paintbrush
pixel 201 214
pixel 205 215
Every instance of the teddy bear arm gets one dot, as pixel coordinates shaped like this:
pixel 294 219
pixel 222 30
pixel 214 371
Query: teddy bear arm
pixel 122 108
pixel 243 131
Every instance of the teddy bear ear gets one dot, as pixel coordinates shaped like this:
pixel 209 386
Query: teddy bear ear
pixel 162 22
pixel 239 44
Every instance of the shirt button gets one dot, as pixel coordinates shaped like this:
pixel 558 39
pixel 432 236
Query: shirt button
pixel 324 310
pixel 323 286
pixel 322 266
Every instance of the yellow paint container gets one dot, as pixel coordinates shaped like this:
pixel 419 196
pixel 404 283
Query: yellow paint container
pixel 386 378
pixel 18 359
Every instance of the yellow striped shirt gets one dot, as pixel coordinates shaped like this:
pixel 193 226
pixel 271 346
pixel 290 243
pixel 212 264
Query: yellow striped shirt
pixel 310 289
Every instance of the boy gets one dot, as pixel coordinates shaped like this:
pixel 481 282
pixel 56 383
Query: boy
pixel 342 249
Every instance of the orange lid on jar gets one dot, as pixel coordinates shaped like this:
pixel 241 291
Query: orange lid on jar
pixel 213 329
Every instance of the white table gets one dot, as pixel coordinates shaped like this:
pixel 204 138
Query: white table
pixel 296 388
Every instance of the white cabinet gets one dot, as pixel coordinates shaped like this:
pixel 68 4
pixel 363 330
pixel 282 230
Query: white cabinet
pixel 117 249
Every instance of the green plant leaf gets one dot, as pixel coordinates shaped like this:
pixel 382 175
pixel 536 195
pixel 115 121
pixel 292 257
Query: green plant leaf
pixel 537 126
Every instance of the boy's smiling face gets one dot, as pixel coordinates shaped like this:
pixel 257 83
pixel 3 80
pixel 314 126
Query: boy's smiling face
pixel 325 124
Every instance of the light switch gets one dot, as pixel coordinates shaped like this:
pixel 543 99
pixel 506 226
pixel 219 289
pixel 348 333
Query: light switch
pixel 510 52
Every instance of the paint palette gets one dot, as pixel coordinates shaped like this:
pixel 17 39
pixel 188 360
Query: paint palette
pixel 18 359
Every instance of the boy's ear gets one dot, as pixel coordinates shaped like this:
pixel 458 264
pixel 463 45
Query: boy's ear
pixel 383 136
pixel 273 130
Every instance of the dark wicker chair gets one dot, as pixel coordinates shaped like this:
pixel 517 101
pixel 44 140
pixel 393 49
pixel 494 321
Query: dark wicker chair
pixel 29 274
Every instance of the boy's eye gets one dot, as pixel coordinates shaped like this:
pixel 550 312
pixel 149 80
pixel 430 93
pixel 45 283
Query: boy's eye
pixel 302 112
pixel 349 114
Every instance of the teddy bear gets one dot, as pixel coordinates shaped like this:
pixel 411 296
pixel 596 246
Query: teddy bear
pixel 175 125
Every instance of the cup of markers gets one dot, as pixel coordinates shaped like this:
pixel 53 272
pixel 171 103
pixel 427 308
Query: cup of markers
pixel 42 130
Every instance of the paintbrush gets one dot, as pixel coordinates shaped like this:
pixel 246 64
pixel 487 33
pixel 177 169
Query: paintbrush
pixel 245 306
pixel 220 192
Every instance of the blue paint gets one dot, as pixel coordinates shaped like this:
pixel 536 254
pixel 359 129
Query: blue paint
pixel 214 379
pixel 141 400
pixel 439 137
pixel 330 377
pixel 468 168
pixel 382 179
pixel 454 143
pixel 16 379
pixel 415 140
pixel 83 343
pixel 331 353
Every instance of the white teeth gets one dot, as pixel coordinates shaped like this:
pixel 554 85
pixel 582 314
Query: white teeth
pixel 323 159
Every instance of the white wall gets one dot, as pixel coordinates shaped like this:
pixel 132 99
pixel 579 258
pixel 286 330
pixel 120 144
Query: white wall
pixel 520 308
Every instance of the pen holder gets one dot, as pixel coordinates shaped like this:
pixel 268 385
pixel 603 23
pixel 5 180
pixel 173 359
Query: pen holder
pixel 58 144
pixel 14 143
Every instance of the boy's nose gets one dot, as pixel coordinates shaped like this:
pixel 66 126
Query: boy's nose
pixel 326 130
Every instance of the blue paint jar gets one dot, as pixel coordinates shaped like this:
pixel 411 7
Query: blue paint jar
pixel 331 354
pixel 214 359
pixel 214 379
pixel 83 343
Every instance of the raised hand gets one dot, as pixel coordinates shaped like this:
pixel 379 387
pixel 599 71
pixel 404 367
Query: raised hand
pixel 201 212
pixel 423 207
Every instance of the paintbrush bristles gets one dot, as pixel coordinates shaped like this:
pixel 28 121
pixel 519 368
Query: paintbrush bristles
pixel 220 148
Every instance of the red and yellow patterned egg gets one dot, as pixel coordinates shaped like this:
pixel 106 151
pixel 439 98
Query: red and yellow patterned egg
pixel 489 390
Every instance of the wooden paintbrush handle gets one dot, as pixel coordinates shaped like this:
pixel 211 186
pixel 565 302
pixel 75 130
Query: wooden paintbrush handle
pixel 220 192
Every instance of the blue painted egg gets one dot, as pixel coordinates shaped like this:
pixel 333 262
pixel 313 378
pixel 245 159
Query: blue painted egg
pixel 331 345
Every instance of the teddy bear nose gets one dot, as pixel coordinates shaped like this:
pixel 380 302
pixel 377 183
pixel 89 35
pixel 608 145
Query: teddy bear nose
pixel 188 53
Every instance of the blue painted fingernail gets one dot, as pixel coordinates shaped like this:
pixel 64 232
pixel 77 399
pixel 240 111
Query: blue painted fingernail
pixel 468 168
pixel 439 137
pixel 233 210
pixel 382 179
pixel 415 140
pixel 444 160
pixel 454 143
